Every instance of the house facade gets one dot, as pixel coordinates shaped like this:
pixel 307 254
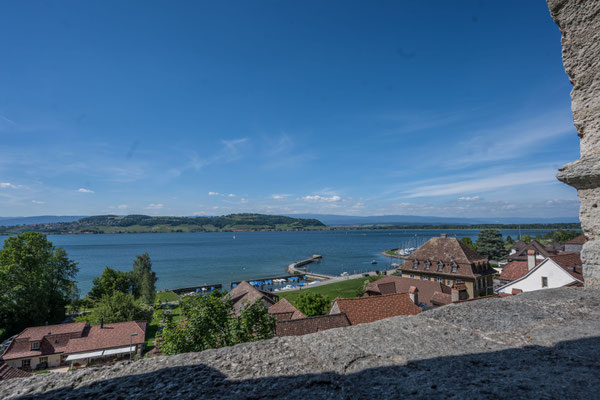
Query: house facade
pixel 452 263
pixel 51 346
pixel 575 245
pixel 520 250
pixel 556 271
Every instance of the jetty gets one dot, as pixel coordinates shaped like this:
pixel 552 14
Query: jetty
pixel 296 268
pixel 201 288
pixel 269 281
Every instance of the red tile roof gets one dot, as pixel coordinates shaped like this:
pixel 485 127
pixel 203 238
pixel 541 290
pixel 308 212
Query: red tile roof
pixel 111 335
pixel 52 340
pixel 361 310
pixel 246 293
pixel 305 326
pixel 570 262
pixel 284 310
pixel 581 239
pixel 469 264
pixel 8 372
pixel 397 284
pixel 514 270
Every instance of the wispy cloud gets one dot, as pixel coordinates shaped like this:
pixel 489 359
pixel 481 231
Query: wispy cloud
pixel 7 185
pixel 326 199
pixel 484 184
pixel 38 202
pixel 231 195
pixel 213 193
pixel 467 198
pixel 83 190
pixel 154 206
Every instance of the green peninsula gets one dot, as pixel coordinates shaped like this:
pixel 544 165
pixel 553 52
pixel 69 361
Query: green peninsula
pixel 147 224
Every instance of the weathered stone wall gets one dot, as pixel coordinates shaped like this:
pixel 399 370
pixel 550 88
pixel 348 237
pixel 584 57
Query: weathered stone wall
pixel 579 22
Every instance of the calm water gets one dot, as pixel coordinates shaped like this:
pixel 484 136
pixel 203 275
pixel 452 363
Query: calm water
pixel 189 259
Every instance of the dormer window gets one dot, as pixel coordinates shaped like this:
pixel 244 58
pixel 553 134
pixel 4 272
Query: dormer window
pixel 454 266
pixel 427 264
pixel 35 345
pixel 440 266
pixel 415 264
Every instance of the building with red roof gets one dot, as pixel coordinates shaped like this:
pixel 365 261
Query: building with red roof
pixel 360 310
pixel 8 372
pixel 283 310
pixel 431 293
pixel 51 346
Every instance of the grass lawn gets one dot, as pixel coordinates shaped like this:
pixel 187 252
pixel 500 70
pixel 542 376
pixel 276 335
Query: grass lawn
pixel 349 288
pixel 166 296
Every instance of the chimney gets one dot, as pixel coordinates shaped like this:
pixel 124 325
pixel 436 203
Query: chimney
pixel 413 292
pixel 101 323
pixel 530 259
pixel 444 236
pixel 455 295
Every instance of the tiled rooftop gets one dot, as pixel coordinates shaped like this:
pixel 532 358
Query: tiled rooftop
pixel 361 310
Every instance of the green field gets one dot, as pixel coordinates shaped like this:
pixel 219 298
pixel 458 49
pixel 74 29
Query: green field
pixel 166 296
pixel 349 288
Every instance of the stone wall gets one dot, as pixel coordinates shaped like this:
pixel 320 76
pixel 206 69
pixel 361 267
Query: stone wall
pixel 579 23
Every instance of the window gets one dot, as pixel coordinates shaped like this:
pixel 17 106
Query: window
pixel 454 266
pixel 412 275
pixel 440 266
pixel 449 282
pixel 459 281
pixel 424 277
pixel 43 360
pixel 440 280
pixel 26 364
pixel 427 264
pixel 35 345
pixel 415 264
pixel 544 281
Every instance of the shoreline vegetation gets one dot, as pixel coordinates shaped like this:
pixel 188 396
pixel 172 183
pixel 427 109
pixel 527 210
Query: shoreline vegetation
pixel 107 224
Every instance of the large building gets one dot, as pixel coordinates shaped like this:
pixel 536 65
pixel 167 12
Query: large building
pixel 50 346
pixel 431 293
pixel 451 262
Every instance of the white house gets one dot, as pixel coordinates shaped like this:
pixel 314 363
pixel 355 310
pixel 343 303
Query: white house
pixel 555 271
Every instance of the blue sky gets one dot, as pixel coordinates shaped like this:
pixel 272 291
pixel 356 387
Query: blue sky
pixel 207 108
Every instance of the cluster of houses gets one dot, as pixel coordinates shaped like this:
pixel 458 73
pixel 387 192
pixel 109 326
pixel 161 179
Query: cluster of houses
pixel 442 271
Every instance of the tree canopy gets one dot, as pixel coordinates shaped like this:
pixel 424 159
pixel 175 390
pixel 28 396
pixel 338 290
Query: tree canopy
pixel 143 280
pixel 37 281
pixel 311 304
pixel 490 243
pixel 210 322
pixel 117 307
pixel 109 282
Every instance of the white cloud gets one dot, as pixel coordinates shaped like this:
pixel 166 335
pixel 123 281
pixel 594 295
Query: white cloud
pixel 231 195
pixel 7 185
pixel 485 183
pixel 83 190
pixel 154 206
pixel 467 198
pixel 213 193
pixel 243 200
pixel 324 199
pixel 37 202
pixel 279 196
pixel 122 206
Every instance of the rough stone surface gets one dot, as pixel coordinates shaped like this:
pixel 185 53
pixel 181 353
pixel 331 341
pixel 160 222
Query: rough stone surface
pixel 540 344
pixel 579 22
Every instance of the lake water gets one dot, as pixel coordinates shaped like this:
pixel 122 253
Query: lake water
pixel 191 259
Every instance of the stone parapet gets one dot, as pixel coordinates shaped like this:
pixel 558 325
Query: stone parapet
pixel 579 23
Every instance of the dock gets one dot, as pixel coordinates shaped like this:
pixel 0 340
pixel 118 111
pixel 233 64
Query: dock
pixel 201 288
pixel 286 277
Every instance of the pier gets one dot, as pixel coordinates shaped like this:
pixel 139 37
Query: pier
pixel 295 268
pixel 201 288
pixel 265 280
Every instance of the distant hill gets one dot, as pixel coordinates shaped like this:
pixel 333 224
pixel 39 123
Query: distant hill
pixel 42 219
pixel 402 220
pixel 147 224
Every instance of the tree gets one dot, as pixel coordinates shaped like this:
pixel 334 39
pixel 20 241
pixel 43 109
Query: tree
pixel 311 304
pixel 117 307
pixel 109 282
pixel 467 240
pixel 510 240
pixel 143 280
pixel 562 235
pixel 490 244
pixel 526 238
pixel 211 322
pixel 37 281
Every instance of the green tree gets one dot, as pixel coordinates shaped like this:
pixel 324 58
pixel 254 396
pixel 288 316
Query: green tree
pixel 526 238
pixel 562 235
pixel 311 304
pixel 143 280
pixel 510 240
pixel 211 322
pixel 467 240
pixel 117 307
pixel 109 282
pixel 37 281
pixel 490 244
